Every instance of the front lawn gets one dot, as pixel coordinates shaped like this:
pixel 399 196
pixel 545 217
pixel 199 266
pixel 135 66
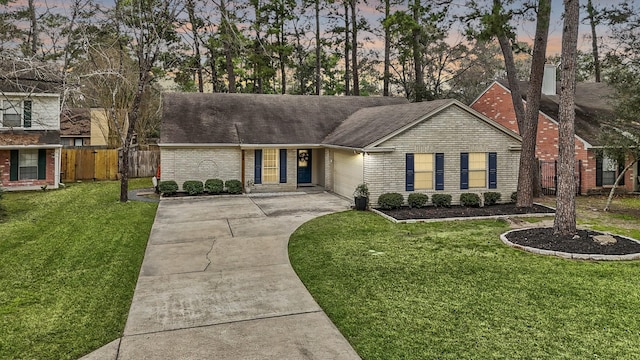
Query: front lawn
pixel 452 290
pixel 69 261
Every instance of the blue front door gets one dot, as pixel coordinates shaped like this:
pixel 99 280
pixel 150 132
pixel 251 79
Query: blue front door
pixel 304 166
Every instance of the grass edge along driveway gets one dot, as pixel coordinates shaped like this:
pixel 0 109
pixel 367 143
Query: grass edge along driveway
pixel 69 261
pixel 452 290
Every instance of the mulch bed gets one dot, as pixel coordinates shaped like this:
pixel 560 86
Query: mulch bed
pixel 543 238
pixel 431 212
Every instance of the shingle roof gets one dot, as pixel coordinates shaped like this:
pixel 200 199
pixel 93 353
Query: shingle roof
pixel 256 118
pixel 593 107
pixel 75 122
pixel 18 76
pixel 368 125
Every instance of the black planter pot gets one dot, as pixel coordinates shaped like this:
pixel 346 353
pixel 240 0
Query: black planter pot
pixel 361 203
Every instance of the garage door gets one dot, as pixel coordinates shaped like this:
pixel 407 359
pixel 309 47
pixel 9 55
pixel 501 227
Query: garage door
pixel 348 172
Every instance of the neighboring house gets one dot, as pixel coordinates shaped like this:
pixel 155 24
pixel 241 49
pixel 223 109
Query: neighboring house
pixel 87 127
pixel 283 142
pixel 593 172
pixel 29 130
pixel 75 127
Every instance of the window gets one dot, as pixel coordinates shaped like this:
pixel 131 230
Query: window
pixel 477 170
pixel 420 170
pixel 609 167
pixel 423 171
pixel 77 142
pixel 270 165
pixel 16 113
pixel 28 165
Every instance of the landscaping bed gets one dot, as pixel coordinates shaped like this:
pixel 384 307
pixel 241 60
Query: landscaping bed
pixel 432 212
pixel 584 242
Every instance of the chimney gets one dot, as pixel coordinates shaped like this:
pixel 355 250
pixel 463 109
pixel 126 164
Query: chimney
pixel 549 80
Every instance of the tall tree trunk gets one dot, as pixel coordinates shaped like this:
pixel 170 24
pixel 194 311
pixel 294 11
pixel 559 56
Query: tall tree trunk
pixel 196 43
pixel 528 163
pixel 283 72
pixel 134 114
pixel 34 32
pixel 591 11
pixel 354 47
pixel 512 79
pixel 417 53
pixel 228 51
pixel 347 91
pixel 565 219
pixel 387 50
pixel 214 70
pixel 318 81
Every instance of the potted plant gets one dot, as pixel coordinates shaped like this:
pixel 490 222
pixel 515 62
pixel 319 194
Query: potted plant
pixel 361 197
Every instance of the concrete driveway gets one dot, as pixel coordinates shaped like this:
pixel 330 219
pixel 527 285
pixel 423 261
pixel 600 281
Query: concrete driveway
pixel 216 283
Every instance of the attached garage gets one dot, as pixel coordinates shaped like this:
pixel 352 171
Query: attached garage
pixel 348 172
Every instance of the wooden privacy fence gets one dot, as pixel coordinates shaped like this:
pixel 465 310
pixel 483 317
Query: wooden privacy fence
pixel 102 164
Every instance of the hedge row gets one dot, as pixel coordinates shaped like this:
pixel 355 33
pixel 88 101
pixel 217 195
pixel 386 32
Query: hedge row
pixel 389 201
pixel 196 187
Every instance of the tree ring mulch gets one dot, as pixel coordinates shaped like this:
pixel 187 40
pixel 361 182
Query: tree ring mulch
pixel 585 245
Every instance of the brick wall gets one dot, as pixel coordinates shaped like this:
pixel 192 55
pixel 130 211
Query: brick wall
pixel 5 172
pixel 496 104
pixel 450 132
pixel 200 164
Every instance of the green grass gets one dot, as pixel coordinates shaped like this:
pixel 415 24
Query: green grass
pixel 452 290
pixel 69 261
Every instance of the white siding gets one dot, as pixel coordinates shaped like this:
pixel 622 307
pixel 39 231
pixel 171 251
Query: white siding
pixel 45 111
pixel 348 172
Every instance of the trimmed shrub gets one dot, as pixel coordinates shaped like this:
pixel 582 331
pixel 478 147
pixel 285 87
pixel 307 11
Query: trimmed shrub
pixel 233 186
pixel 417 200
pixel 470 200
pixel 193 187
pixel 389 201
pixel 491 198
pixel 168 187
pixel 514 196
pixel 214 186
pixel 441 200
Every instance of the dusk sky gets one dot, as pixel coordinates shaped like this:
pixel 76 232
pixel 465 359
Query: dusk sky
pixel 525 31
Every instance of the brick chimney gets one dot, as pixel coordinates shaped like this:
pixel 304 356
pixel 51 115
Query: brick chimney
pixel 549 80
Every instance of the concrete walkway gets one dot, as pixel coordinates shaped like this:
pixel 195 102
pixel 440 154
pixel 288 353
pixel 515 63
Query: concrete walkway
pixel 216 283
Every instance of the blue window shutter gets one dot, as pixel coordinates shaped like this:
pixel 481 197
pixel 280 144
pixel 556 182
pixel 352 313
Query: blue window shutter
pixel 26 113
pixel 409 185
pixel 439 171
pixel 42 164
pixel 464 171
pixel 257 178
pixel 493 170
pixel 13 165
pixel 283 166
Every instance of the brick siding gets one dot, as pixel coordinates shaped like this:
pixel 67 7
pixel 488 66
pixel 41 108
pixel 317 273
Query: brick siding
pixel 496 104
pixel 5 171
